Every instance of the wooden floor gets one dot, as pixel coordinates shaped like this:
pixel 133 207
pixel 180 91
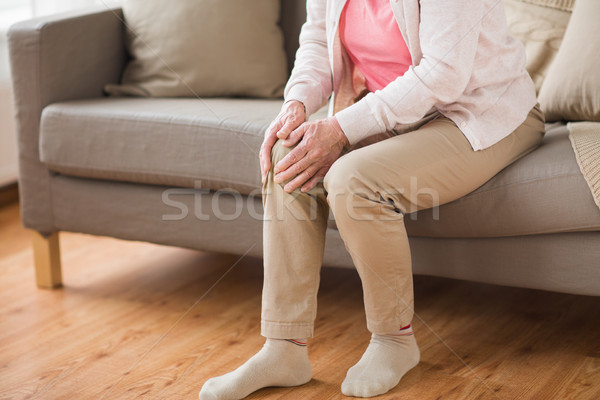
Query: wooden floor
pixel 140 321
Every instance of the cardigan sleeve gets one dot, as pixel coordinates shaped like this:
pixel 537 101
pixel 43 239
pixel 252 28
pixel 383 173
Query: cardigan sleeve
pixel 449 35
pixel 311 80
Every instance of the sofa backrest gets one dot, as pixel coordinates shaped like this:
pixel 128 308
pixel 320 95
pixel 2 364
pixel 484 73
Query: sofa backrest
pixel 293 15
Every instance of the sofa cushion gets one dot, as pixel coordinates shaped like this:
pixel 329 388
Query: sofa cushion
pixel 210 143
pixel 214 144
pixel 191 48
pixel 543 192
pixel 571 90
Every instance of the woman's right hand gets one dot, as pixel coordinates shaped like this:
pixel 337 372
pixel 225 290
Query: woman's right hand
pixel 291 116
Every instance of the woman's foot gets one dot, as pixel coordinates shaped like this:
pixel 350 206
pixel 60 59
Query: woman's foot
pixel 383 364
pixel 279 363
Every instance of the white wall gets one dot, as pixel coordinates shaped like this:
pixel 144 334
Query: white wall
pixel 8 146
pixel 12 11
pixel 8 143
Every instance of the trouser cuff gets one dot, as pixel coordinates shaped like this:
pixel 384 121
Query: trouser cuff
pixel 286 330
pixel 388 326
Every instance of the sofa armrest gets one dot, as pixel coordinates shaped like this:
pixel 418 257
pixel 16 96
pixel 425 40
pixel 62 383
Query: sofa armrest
pixel 62 57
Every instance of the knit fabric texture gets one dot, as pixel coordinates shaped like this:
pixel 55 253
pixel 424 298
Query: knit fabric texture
pixel 585 139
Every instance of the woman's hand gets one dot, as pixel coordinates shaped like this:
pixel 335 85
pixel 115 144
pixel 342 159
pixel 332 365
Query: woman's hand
pixel 291 116
pixel 322 143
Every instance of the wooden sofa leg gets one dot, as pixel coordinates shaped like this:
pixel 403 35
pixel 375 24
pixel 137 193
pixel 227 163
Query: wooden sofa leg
pixel 46 254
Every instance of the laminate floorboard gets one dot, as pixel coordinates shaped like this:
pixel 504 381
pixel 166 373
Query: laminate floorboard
pixel 141 321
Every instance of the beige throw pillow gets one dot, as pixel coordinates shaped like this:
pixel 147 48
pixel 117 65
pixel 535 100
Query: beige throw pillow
pixel 571 90
pixel 541 30
pixel 190 48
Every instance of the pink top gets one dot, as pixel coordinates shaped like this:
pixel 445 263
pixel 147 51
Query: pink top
pixel 370 34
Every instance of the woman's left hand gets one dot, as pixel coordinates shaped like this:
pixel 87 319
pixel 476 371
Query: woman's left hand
pixel 321 143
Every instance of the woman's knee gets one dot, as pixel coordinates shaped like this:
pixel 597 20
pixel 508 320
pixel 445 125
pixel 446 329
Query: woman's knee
pixel 343 177
pixel 355 175
pixel 278 152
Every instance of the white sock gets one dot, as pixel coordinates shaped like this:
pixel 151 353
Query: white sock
pixel 385 361
pixel 279 363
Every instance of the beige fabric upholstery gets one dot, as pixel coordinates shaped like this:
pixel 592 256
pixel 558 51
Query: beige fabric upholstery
pixel 541 30
pixel 571 90
pixel 214 144
pixel 211 143
pixel 537 194
pixel 194 48
pixel 57 58
pixel 564 262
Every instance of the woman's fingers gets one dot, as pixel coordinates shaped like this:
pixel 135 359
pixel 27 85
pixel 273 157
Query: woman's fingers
pixel 291 117
pixel 316 178
pixel 295 136
pixel 290 159
pixel 274 127
pixel 319 147
pixel 291 122
pixel 293 170
pixel 265 154
pixel 301 178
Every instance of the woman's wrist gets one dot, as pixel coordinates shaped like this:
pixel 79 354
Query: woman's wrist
pixel 340 132
pixel 300 104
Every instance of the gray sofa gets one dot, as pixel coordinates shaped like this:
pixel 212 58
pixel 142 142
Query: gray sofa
pixel 184 172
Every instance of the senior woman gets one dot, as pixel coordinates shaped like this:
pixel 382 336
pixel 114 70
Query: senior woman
pixel 429 99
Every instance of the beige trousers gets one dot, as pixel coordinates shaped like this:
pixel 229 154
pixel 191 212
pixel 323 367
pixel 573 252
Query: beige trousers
pixel 370 189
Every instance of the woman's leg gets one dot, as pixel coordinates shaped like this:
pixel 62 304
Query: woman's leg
pixel 294 230
pixel 370 190
pixel 294 239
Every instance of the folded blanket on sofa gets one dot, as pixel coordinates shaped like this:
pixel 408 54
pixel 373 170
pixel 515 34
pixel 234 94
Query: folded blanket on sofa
pixel 566 5
pixel 585 139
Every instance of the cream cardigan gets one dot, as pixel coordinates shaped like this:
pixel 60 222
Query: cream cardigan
pixel 465 64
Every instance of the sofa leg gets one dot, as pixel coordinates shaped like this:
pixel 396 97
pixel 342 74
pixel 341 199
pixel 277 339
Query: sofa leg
pixel 46 254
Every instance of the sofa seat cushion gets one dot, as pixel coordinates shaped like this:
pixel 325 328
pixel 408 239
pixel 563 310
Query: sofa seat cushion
pixel 214 144
pixel 543 192
pixel 209 143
